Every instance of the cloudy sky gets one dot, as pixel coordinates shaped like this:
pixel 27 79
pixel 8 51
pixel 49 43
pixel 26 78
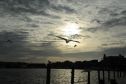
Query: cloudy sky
pixel 32 27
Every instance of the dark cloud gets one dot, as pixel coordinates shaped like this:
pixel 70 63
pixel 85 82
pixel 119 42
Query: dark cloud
pixel 114 14
pixel 117 16
pixel 123 12
pixel 79 36
pixel 110 22
pixel 115 51
pixel 106 25
pixel 21 48
pixel 120 35
pixel 15 36
pixel 93 30
pixel 33 25
pixel 19 7
pixel 16 48
pixel 34 7
pixel 98 54
pixel 112 11
pixel 48 23
pixel 65 9
pixel 85 55
pixel 115 22
pixel 97 21
pixel 25 18
pixel 111 44
pixel 89 29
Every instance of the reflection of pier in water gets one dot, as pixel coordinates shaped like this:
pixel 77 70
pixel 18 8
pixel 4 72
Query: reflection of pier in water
pixel 110 64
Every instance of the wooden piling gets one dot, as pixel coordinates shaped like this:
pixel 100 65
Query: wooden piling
pixel 98 76
pixel 72 75
pixel 114 75
pixel 48 74
pixel 118 74
pixel 124 74
pixel 88 77
pixel 108 75
pixel 103 76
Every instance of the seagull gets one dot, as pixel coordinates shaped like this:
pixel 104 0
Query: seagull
pixel 9 41
pixel 67 40
pixel 75 45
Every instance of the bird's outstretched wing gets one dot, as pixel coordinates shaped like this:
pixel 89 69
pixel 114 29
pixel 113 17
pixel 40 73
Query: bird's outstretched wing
pixel 67 40
pixel 61 37
pixel 75 41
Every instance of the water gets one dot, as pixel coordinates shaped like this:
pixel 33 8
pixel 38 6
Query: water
pixel 22 76
pixel 38 76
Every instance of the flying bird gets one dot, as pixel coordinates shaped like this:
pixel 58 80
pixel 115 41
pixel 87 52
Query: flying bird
pixel 9 41
pixel 67 40
pixel 75 45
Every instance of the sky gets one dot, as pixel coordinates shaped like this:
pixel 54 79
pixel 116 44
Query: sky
pixel 32 27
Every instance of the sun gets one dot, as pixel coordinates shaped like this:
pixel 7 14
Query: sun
pixel 71 29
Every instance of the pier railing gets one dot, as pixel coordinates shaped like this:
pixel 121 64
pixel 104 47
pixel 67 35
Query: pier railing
pixel 100 72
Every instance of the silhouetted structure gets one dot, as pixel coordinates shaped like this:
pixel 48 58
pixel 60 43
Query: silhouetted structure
pixel 114 62
pixel 108 63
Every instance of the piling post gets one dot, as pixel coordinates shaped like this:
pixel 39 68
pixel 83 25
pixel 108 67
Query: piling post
pixel 88 77
pixel 108 75
pixel 48 74
pixel 114 74
pixel 123 73
pixel 118 74
pixel 72 75
pixel 103 76
pixel 98 76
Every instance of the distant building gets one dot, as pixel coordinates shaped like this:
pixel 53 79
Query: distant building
pixel 114 61
pixel 113 58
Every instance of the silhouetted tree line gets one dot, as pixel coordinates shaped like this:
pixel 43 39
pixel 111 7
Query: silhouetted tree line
pixel 21 65
pixel 77 64
pixel 108 62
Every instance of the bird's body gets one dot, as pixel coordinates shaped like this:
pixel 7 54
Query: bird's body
pixel 67 40
pixel 9 41
pixel 75 45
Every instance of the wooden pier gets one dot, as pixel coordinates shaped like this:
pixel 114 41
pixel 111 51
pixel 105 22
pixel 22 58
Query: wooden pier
pixel 115 67
pixel 116 74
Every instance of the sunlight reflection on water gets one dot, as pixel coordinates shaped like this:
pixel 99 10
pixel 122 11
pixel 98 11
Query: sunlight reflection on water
pixel 64 77
pixel 38 76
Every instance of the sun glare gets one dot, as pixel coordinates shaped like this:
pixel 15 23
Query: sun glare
pixel 71 29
